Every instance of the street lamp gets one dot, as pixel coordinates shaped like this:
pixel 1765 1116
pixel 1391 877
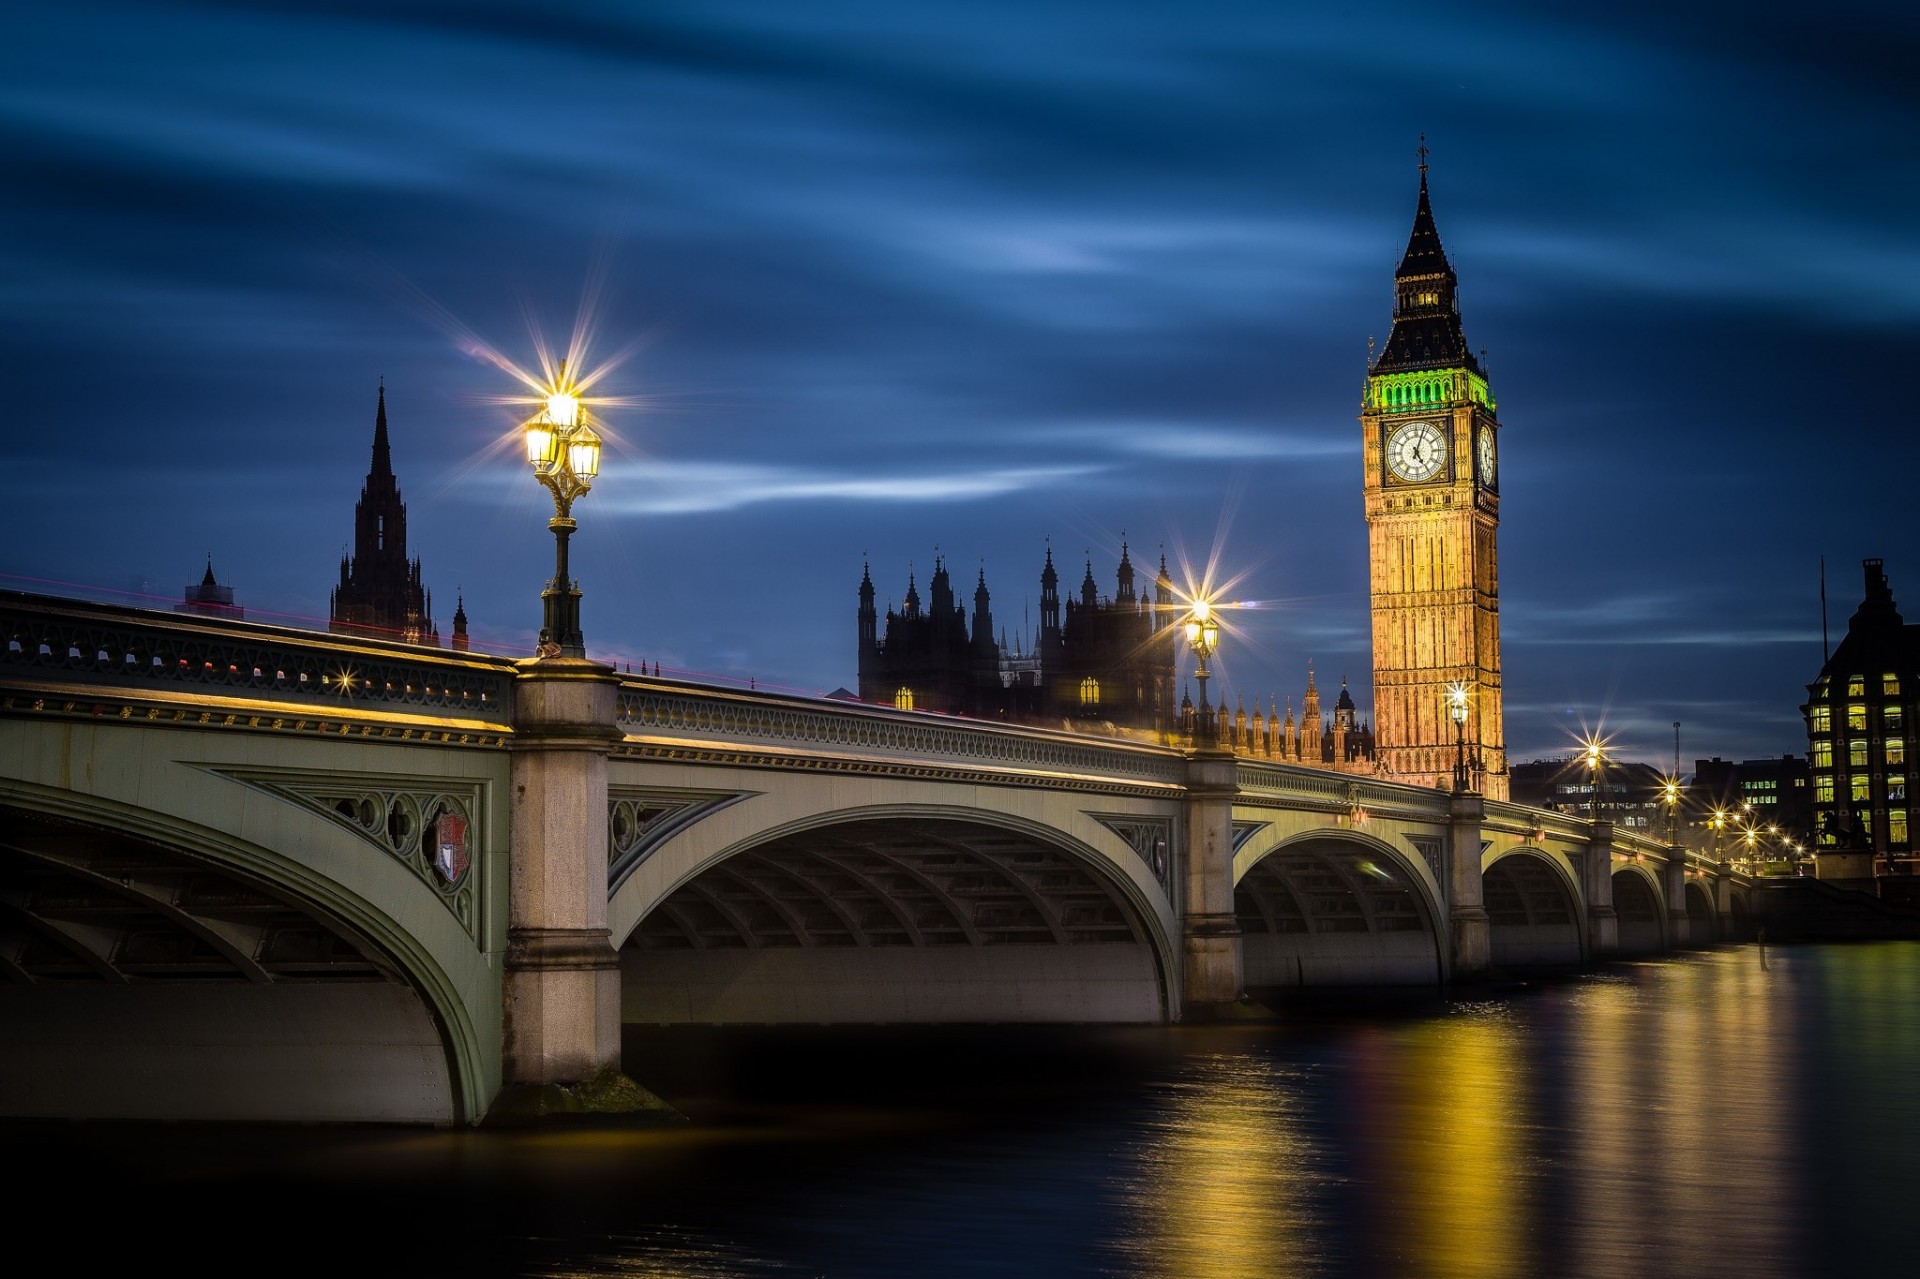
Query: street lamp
pixel 564 452
pixel 1596 755
pixel 1670 796
pixel 1457 708
pixel 1203 637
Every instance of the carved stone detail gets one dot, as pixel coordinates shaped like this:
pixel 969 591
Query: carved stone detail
pixel 395 815
pixel 1150 837
pixel 640 819
pixel 1432 851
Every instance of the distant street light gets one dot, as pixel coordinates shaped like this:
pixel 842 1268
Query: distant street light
pixel 1596 757
pixel 1670 796
pixel 1457 708
pixel 1203 637
pixel 564 452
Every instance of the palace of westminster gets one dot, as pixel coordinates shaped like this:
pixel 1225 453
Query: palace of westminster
pixel 1107 663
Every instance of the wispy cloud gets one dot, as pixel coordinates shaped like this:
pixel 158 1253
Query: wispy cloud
pixel 682 488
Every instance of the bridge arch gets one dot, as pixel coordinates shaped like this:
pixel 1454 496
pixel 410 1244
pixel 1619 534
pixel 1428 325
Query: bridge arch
pixel 1337 908
pixel 245 981
pixel 1534 918
pixel 1640 909
pixel 1703 923
pixel 896 913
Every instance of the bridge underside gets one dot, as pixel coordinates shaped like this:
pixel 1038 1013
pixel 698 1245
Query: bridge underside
pixel 1330 912
pixel 1642 918
pixel 1532 919
pixel 895 920
pixel 136 982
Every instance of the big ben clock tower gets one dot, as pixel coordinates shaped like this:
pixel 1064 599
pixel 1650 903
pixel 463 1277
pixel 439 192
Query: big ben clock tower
pixel 1432 450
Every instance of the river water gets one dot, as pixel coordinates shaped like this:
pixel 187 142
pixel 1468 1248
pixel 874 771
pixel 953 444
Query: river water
pixel 1739 1112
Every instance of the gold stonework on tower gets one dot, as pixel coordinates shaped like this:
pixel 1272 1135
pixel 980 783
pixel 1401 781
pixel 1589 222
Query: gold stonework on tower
pixel 1431 444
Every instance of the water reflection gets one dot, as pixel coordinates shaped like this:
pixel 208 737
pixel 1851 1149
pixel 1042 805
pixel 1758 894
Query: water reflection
pixel 1701 1115
pixel 1224 1176
pixel 1448 1136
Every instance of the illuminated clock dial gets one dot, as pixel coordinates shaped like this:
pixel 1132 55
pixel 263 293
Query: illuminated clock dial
pixel 1484 446
pixel 1415 451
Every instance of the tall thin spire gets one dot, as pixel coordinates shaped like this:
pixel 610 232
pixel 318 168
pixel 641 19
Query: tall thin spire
pixel 382 454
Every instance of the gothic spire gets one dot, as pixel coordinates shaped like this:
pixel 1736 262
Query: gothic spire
pixel 382 455
pixel 1426 313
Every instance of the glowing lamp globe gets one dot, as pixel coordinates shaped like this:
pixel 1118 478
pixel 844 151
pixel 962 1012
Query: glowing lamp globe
pixel 583 452
pixel 563 409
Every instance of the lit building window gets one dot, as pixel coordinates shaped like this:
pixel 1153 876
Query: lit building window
pixel 1896 825
pixel 1823 754
pixel 1896 788
pixel 1892 716
pixel 1823 790
pixel 1857 788
pixel 1856 714
pixel 1856 686
pixel 1895 751
pixel 1890 684
pixel 903 699
pixel 1089 691
pixel 1820 720
pixel 1857 752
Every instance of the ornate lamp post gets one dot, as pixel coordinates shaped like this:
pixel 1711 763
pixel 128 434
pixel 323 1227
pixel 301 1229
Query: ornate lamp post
pixel 564 452
pixel 1670 796
pixel 1457 708
pixel 1596 761
pixel 1203 637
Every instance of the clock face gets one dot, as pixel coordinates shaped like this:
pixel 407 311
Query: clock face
pixel 1485 448
pixel 1416 450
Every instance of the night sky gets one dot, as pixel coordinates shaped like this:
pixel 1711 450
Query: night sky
pixel 898 277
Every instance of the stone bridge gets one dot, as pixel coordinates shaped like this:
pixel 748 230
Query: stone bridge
pixel 256 872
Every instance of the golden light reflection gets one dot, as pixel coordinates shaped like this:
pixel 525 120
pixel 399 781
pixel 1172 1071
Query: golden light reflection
pixel 1454 1134
pixel 1223 1189
pixel 1668 1059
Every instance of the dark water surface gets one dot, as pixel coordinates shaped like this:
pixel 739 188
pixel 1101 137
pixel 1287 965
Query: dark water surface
pixel 1729 1113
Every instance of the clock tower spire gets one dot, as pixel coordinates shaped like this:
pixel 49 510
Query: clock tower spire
pixel 1431 448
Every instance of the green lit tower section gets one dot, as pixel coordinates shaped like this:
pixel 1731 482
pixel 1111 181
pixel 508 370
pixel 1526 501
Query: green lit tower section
pixel 1432 453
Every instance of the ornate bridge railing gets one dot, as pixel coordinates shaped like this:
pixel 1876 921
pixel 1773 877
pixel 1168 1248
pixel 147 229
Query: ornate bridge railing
pixel 134 651
pixel 741 721
pixel 1327 791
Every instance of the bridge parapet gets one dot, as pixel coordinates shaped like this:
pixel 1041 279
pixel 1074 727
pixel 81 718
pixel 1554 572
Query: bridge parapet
pixel 660 719
pixel 164 656
pixel 1323 790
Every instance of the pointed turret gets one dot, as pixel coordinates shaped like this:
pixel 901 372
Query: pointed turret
pixel 1125 594
pixel 913 596
pixel 380 592
pixel 1426 312
pixel 1089 590
pixel 869 623
pixel 460 641
pixel 382 454
pixel 982 617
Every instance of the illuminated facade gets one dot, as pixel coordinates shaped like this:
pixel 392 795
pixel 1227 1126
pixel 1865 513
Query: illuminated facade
pixel 1860 715
pixel 1431 456
pixel 380 594
pixel 1094 659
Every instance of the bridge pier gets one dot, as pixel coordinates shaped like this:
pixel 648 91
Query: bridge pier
pixel 1211 968
pixel 1467 911
pixel 1603 923
pixel 562 987
pixel 1673 881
